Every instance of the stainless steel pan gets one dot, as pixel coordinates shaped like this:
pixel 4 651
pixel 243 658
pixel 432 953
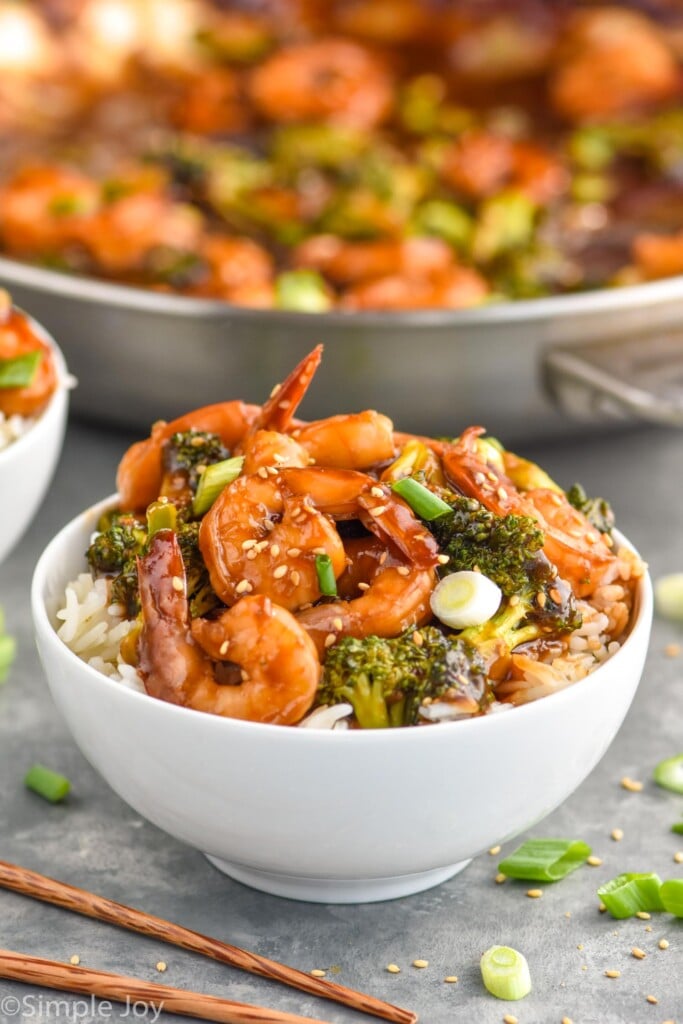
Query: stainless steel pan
pixel 518 368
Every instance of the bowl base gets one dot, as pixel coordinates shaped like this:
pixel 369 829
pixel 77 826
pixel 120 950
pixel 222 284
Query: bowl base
pixel 336 890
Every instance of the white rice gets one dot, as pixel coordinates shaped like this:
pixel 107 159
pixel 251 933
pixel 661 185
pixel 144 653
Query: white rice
pixel 93 629
pixel 12 427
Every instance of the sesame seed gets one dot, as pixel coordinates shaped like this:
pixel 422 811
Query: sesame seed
pixel 393 969
pixel 631 785
pixel 494 851
pixel 251 555
pixel 479 478
pixel 567 1020
pixel 293 552
pixel 337 624
pixel 678 857
pixel 510 1018
pixel 161 966
pixel 281 571
pixel 612 974
pixel 567 913
pixel 672 650
pixel 451 979
pixel 617 835
pixel 500 878
pixel 580 945
pixel 75 960
pixel 420 963
pixel 262 472
pixel 275 550
pixel 268 525
pixel 243 587
pixel 279 458
pixel 363 586
pixel 296 433
pixel 383 557
pixel 541 599
pixel 177 584
pixel 594 862
pixel 638 953
pixel 556 595
pixel 643 915
pixel 601 908
pixel 514 600
pixel 502 493
pixel 663 943
pixel 319 551
pixel 377 492
pixel 284 404
pixel 261 545
pixel 272 470
pixel 648 927
pixel 318 973
pixel 248 544
pixel 443 559
pixel 275 390
pixel 378 510
pixel 295 577
pixel 534 894
pixel 223 649
pixel 330 639
pixel 652 999
pixel 403 570
pixel 584 967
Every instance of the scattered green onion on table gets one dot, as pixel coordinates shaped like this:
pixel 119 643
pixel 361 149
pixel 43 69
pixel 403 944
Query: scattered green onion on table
pixel 632 893
pixel 545 860
pixel 669 773
pixel 505 973
pixel 52 786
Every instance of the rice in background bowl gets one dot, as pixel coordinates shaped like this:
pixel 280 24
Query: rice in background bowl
pixel 29 450
pixel 330 815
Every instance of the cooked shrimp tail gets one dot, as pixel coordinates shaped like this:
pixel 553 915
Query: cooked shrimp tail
pixel 194 664
pixel 277 413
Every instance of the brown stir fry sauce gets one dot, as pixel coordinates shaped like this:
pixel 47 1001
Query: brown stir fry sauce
pixel 356 154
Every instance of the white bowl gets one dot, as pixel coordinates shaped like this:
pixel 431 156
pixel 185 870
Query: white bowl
pixel 336 817
pixel 27 464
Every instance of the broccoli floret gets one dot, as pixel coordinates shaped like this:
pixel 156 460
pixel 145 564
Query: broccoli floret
pixel 386 680
pixel 184 456
pixel 544 607
pixel 597 511
pixel 499 546
pixel 201 596
pixel 121 536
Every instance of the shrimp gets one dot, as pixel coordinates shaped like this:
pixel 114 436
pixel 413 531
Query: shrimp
pixel 612 61
pixel 397 597
pixel 211 104
pixel 577 550
pixel 263 532
pixel 658 255
pixel 457 288
pixel 17 339
pixel 354 262
pixel 353 441
pixel 325 79
pixel 140 471
pixel 481 163
pixel 237 269
pixel 42 209
pixel 184 662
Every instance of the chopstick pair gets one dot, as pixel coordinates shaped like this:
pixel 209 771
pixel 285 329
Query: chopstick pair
pixel 66 977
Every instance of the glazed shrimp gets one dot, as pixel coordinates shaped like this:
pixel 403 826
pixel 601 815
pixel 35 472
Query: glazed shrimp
pixel 611 62
pixel 178 659
pixel 140 471
pixel 354 441
pixel 456 288
pixel 263 532
pixel 43 208
pixel 325 79
pixel 481 163
pixel 658 256
pixel 17 339
pixel 354 262
pixel 577 550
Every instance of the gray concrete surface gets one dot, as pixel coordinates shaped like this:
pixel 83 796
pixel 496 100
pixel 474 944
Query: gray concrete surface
pixel 96 842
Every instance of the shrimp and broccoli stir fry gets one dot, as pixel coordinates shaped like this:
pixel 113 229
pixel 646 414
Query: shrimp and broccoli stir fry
pixel 345 154
pixel 337 572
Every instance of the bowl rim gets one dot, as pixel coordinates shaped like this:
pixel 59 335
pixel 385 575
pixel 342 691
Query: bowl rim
pixel 43 625
pixel 65 382
pixel 130 297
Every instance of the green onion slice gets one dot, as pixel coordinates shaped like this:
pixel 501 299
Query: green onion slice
pixel 8 649
pixel 161 515
pixel 505 973
pixel 668 592
pixel 213 480
pixel 672 896
pixel 19 371
pixel 545 860
pixel 678 828
pixel 627 894
pixel 326 580
pixel 669 773
pixel 50 785
pixel 423 502
pixel 303 291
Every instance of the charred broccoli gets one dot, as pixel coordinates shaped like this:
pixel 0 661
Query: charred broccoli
pixel 121 537
pixel 499 546
pixel 597 511
pixel 185 455
pixel 386 680
pixel 200 594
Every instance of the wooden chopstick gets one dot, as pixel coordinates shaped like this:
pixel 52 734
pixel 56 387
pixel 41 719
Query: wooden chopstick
pixel 33 970
pixel 40 887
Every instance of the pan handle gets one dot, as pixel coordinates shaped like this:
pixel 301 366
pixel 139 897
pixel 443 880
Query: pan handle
pixel 636 377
